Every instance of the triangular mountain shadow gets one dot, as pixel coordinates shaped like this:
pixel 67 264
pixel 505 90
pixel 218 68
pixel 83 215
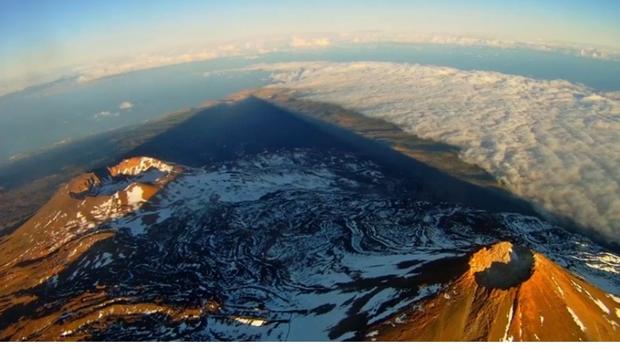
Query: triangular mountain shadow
pixel 225 131
pixel 228 129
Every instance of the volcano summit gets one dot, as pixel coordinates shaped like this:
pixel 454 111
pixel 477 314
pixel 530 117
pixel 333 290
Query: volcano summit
pixel 510 293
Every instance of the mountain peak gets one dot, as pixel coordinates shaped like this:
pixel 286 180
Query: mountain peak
pixel 137 165
pixel 500 252
pixel 509 293
pixel 502 265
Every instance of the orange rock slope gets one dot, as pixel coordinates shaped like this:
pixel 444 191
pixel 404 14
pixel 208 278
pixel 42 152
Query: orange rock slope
pixel 63 230
pixel 510 293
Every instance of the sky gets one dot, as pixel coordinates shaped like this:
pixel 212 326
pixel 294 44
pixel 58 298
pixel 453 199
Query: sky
pixel 39 36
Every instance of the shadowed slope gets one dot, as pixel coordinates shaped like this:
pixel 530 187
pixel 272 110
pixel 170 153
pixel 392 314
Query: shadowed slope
pixel 252 125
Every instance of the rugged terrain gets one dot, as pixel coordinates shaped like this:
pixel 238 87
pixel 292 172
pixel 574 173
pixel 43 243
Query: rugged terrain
pixel 247 222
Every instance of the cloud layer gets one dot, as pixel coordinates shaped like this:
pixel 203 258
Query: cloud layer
pixel 320 41
pixel 254 47
pixel 552 142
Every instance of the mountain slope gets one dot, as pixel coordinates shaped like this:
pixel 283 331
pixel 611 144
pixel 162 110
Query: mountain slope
pixel 67 226
pixel 510 293
pixel 261 247
pixel 208 231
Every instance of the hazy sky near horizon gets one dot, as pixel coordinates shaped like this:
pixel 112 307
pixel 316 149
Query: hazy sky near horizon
pixel 40 35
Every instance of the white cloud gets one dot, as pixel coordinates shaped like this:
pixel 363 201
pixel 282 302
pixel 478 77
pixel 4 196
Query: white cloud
pixel 105 114
pixel 553 142
pixel 253 47
pixel 604 53
pixel 152 60
pixel 125 105
pixel 299 42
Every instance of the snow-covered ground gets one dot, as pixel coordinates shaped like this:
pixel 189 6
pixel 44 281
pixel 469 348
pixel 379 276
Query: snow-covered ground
pixel 294 244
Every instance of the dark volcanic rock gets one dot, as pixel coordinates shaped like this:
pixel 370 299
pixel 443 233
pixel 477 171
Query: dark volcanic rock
pixel 254 224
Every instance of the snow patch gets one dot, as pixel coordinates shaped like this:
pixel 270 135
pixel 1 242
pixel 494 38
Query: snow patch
pixel 250 321
pixel 506 338
pixel 126 167
pixel 135 195
pixel 601 305
pixel 576 319
pixel 557 286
